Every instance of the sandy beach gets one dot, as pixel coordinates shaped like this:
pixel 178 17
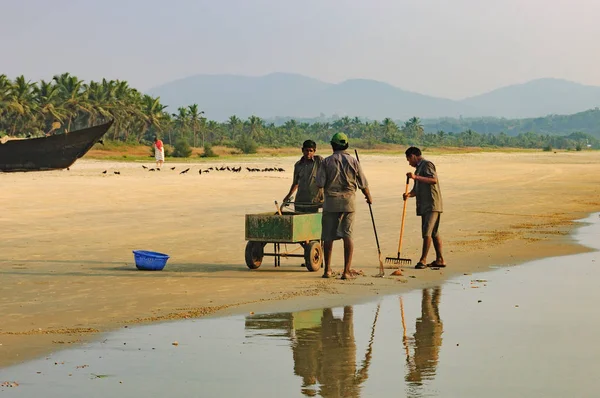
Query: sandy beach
pixel 67 268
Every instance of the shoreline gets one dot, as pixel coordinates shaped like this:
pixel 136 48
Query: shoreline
pixel 181 291
pixel 323 293
pixel 494 314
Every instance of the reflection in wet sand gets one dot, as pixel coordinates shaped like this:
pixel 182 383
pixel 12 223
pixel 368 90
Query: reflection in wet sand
pixel 425 342
pixel 323 348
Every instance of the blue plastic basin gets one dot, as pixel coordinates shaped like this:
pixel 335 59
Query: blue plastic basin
pixel 150 261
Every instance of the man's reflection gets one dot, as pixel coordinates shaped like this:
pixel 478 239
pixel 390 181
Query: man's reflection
pixel 326 357
pixel 324 348
pixel 324 351
pixel 426 340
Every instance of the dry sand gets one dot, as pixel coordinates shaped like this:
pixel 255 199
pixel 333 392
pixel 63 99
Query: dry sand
pixel 67 268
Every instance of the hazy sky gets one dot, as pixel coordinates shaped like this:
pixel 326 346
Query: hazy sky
pixel 450 48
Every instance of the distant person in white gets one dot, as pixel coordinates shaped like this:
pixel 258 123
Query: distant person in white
pixel 159 152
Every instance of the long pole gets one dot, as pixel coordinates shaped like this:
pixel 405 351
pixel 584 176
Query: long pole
pixel 381 272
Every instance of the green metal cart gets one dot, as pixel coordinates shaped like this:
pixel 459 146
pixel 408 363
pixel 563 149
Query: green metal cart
pixel 288 228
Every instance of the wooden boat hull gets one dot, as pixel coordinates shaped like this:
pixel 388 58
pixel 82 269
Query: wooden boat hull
pixel 49 153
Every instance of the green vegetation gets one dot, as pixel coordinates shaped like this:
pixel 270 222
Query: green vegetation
pixel 246 144
pixel 182 149
pixel 209 152
pixel 585 122
pixel 66 103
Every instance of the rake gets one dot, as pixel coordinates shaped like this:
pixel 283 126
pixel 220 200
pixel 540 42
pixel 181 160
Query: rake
pixel 399 260
pixel 381 273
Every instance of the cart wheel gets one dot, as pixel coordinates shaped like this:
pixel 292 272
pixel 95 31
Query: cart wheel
pixel 313 256
pixel 254 254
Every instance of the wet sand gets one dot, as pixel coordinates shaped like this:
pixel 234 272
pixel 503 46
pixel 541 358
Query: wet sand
pixel 67 269
pixel 465 338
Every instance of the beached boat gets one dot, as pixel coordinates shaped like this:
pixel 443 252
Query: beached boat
pixel 49 153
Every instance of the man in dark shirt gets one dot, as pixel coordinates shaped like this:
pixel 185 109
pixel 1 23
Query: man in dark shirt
pixel 429 205
pixel 309 197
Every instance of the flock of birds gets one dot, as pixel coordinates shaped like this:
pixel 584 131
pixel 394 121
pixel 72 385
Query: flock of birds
pixel 213 169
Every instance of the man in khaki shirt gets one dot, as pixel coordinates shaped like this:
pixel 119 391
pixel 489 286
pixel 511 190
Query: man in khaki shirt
pixel 309 197
pixel 340 176
pixel 429 205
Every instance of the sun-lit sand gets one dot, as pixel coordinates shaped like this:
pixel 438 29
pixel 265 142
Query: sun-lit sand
pixel 67 268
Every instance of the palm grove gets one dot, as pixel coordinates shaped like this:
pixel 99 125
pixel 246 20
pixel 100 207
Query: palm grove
pixel 67 103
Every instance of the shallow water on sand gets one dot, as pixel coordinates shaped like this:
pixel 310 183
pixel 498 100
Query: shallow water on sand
pixel 527 331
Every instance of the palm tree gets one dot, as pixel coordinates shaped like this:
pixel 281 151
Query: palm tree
pixel 21 101
pixel 72 96
pixel 48 105
pixel 344 124
pixel 135 117
pixel 182 120
pixel 5 86
pixel 152 111
pixel 413 128
pixel 122 107
pixel 108 99
pixel 8 109
pixel 291 129
pixel 234 123
pixel 100 99
pixel 256 125
pixel 213 131
pixel 391 132
pixel 326 131
pixel 195 116
pixel 440 137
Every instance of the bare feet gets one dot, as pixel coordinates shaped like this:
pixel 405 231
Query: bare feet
pixel 352 274
pixel 436 264
pixel 330 274
pixel 347 276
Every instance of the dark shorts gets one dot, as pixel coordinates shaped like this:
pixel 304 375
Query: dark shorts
pixel 336 225
pixel 304 208
pixel 430 222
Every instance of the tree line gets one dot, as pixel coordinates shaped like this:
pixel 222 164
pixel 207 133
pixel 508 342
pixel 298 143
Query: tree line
pixel 66 103
pixel 586 122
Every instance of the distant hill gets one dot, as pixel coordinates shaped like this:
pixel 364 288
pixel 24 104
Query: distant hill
pixel 221 96
pixel 281 94
pixel 536 98
pixel 293 95
pixel 372 99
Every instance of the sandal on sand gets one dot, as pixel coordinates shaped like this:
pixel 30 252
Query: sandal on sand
pixel 434 264
pixel 346 277
pixel 420 265
pixel 332 275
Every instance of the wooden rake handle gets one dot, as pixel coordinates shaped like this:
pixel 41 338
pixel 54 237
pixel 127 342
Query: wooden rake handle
pixel 403 217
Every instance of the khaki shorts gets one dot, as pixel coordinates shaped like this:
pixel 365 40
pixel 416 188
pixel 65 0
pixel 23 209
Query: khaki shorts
pixel 430 222
pixel 336 225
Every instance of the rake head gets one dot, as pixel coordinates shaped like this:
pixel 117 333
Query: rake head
pixel 398 260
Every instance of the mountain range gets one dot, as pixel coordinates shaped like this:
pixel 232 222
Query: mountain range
pixel 293 95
